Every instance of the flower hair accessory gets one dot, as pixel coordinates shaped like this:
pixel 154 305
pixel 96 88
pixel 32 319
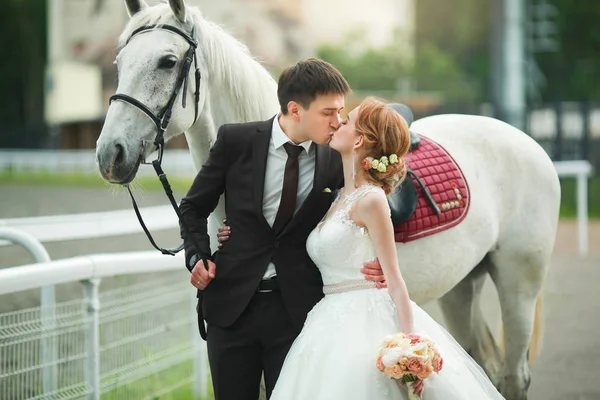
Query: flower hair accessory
pixel 380 164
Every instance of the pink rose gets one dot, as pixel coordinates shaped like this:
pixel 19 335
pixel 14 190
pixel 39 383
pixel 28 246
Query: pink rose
pixel 427 370
pixel 395 371
pixel 438 363
pixel 414 338
pixel 414 365
pixel 380 365
pixel 366 163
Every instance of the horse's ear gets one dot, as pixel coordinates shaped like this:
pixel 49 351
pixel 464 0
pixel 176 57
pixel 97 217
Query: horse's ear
pixel 178 7
pixel 135 6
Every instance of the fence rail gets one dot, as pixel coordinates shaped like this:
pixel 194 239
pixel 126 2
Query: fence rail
pixel 92 225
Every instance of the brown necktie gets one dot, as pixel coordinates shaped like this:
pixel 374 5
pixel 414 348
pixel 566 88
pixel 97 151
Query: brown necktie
pixel 290 187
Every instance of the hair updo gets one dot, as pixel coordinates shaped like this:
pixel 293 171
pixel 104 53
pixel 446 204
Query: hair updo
pixel 384 132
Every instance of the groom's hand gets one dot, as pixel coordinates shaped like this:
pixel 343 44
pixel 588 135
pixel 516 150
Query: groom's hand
pixel 373 272
pixel 201 276
pixel 223 234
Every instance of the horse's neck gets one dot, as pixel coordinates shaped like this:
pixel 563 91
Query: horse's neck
pixel 200 139
pixel 241 91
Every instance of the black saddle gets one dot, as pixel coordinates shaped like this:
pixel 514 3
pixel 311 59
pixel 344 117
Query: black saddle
pixel 407 114
pixel 403 201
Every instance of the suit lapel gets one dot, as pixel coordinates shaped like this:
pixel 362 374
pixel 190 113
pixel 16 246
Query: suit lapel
pixel 323 155
pixel 322 159
pixel 260 151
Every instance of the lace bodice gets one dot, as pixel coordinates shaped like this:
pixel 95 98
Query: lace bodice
pixel 338 246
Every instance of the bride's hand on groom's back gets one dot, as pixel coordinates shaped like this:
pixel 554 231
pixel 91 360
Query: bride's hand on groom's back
pixel 373 272
pixel 223 234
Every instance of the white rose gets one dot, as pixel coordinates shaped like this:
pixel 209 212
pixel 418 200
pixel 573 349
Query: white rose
pixel 391 356
pixel 418 350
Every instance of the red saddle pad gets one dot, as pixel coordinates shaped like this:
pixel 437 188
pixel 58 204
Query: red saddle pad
pixel 448 187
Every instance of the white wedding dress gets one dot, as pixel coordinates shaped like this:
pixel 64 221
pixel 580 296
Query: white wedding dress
pixel 334 357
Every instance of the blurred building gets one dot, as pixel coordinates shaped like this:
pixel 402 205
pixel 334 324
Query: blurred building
pixel 278 32
pixel 281 31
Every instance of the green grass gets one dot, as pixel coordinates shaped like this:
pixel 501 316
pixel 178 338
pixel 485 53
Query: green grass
pixel 84 180
pixel 568 187
pixel 159 381
pixel 182 393
pixel 568 207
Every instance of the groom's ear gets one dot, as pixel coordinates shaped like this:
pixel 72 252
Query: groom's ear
pixel 294 110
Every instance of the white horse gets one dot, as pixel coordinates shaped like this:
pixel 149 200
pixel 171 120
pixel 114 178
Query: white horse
pixel 508 233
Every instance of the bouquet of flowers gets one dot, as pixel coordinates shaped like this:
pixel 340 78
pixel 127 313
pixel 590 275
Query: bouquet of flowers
pixel 409 357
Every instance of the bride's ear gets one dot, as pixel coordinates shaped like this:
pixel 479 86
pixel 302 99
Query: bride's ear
pixel 359 142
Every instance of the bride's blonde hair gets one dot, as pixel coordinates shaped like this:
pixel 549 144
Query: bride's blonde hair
pixel 385 132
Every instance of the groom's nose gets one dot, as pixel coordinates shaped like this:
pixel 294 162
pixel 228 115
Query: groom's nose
pixel 336 123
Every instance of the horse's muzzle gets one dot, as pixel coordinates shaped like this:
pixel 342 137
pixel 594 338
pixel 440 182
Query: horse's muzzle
pixel 116 164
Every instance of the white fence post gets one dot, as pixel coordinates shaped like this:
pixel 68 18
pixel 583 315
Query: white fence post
pixel 92 361
pixel 581 170
pixel 48 346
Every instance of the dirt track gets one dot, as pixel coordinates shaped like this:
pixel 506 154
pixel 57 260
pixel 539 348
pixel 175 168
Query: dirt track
pixel 569 366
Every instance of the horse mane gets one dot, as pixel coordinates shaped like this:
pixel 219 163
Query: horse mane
pixel 232 68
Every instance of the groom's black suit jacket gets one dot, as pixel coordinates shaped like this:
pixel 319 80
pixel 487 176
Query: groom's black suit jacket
pixel 236 166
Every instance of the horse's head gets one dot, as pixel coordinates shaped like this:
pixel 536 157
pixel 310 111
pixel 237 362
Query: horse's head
pixel 155 87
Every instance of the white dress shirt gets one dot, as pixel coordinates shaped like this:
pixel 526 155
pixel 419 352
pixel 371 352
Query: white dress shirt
pixel 274 173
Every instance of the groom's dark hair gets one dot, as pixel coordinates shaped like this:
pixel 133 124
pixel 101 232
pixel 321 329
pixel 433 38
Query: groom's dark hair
pixel 307 79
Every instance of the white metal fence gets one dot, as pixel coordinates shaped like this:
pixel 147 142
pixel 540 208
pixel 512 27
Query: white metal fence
pixel 138 341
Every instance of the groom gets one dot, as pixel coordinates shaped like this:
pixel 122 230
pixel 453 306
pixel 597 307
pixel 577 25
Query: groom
pixel 279 179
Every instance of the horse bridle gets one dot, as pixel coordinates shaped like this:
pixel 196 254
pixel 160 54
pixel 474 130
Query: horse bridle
pixel 162 119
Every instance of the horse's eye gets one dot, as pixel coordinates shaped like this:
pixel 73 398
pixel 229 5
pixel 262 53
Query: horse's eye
pixel 167 62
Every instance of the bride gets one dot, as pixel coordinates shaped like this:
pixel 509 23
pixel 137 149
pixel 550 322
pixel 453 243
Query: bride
pixel 334 357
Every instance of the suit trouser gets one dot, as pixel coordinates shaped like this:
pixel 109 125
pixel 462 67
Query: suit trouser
pixel 257 341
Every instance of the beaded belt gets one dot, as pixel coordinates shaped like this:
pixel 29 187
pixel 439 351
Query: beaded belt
pixel 348 286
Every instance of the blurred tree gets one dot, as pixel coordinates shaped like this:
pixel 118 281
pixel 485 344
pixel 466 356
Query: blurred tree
pixel 368 68
pixel 572 70
pixel 23 47
pixel 461 30
pixel 459 33
pixel 392 68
